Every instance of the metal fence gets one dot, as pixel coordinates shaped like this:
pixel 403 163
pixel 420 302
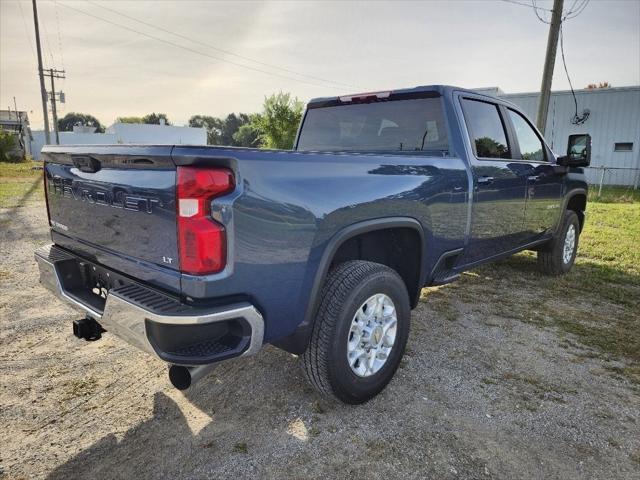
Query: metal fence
pixel 610 176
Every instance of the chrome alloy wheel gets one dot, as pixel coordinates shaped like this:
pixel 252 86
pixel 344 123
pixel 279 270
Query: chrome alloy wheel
pixel 569 244
pixel 372 335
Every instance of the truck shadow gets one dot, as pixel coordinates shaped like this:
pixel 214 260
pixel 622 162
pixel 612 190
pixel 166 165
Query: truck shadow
pixel 219 421
pixel 129 457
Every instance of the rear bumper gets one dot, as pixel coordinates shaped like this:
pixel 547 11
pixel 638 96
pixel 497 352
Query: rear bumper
pixel 150 320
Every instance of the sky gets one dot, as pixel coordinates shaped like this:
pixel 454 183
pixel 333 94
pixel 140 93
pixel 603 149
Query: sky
pixel 125 58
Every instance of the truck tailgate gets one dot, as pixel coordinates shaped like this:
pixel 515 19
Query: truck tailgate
pixel 122 200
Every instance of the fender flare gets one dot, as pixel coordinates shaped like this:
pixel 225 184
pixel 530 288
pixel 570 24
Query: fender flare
pixel 297 342
pixel 565 203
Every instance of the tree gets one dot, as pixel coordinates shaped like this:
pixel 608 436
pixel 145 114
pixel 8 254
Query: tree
pixel 230 126
pixel 150 119
pixel 129 120
pixel 247 136
pixel 226 131
pixel 212 125
pixel 278 123
pixel 71 119
pixel 154 119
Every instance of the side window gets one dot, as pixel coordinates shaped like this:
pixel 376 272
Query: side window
pixel 486 129
pixel 531 146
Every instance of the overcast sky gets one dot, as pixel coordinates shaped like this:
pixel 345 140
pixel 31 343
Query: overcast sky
pixel 310 48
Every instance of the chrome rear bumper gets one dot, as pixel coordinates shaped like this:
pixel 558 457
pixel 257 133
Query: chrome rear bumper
pixel 140 315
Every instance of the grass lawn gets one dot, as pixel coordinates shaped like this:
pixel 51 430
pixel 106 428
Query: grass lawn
pixel 594 308
pixel 20 184
pixel 614 194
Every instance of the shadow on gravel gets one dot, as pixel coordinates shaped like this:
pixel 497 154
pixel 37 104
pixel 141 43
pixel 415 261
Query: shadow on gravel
pixel 130 457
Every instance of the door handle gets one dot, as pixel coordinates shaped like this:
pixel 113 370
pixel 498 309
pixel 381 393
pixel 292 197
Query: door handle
pixel 485 180
pixel 533 178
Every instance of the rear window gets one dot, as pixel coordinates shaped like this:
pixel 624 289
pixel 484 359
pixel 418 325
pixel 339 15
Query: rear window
pixel 388 126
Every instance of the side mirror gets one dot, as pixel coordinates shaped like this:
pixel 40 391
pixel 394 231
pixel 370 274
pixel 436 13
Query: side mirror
pixel 578 151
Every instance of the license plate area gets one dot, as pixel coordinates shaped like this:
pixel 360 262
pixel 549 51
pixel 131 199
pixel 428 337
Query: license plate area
pixel 88 283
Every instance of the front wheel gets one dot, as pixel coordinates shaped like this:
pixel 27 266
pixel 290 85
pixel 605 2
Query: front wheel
pixel 558 255
pixel 360 332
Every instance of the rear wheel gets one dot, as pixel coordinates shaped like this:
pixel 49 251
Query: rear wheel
pixel 360 332
pixel 558 255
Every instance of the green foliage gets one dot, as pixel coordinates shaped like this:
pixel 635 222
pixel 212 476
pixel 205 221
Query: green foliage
pixel 614 194
pixel 212 125
pixel 488 147
pixel 275 127
pixel 66 123
pixel 129 120
pixel 231 131
pixel 154 119
pixel 246 136
pixel 9 147
pixel 278 123
pixel 150 119
pixel 230 126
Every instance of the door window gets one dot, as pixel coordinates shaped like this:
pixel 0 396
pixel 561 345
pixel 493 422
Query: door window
pixel 531 147
pixel 486 129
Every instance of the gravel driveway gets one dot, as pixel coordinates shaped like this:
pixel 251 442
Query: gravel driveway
pixel 480 394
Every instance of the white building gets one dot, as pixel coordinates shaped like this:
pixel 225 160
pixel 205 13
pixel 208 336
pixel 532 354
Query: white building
pixel 126 133
pixel 613 122
pixel 157 134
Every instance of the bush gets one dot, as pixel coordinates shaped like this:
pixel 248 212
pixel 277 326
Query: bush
pixel 9 150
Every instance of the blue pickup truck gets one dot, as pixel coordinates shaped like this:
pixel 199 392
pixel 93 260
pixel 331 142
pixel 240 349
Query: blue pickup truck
pixel 200 254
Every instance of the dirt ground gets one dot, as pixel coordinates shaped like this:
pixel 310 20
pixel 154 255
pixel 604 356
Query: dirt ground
pixel 482 393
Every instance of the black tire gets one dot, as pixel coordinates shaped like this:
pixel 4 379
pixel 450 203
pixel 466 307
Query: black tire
pixel 345 290
pixel 551 256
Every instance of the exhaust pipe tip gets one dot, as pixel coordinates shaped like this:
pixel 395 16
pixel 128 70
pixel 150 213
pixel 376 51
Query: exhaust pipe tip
pixel 183 377
pixel 180 377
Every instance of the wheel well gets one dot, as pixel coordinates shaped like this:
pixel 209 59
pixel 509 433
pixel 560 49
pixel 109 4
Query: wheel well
pixel 578 203
pixel 398 248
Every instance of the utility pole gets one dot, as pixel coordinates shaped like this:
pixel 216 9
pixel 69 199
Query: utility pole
pixel 53 73
pixel 549 63
pixel 43 91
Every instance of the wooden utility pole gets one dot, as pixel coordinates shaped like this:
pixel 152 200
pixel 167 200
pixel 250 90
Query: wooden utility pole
pixel 549 62
pixel 53 73
pixel 43 90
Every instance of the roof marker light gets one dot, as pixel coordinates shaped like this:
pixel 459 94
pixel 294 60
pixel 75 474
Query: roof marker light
pixel 359 97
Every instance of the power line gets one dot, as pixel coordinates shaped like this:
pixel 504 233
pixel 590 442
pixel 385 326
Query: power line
pixel 55 3
pixel 26 30
pixel 535 9
pixel 197 52
pixel 571 13
pixel 528 5
pixel 577 119
pixel 221 50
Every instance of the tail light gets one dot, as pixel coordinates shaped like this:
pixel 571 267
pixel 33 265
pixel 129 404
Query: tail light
pixel 46 191
pixel 202 242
